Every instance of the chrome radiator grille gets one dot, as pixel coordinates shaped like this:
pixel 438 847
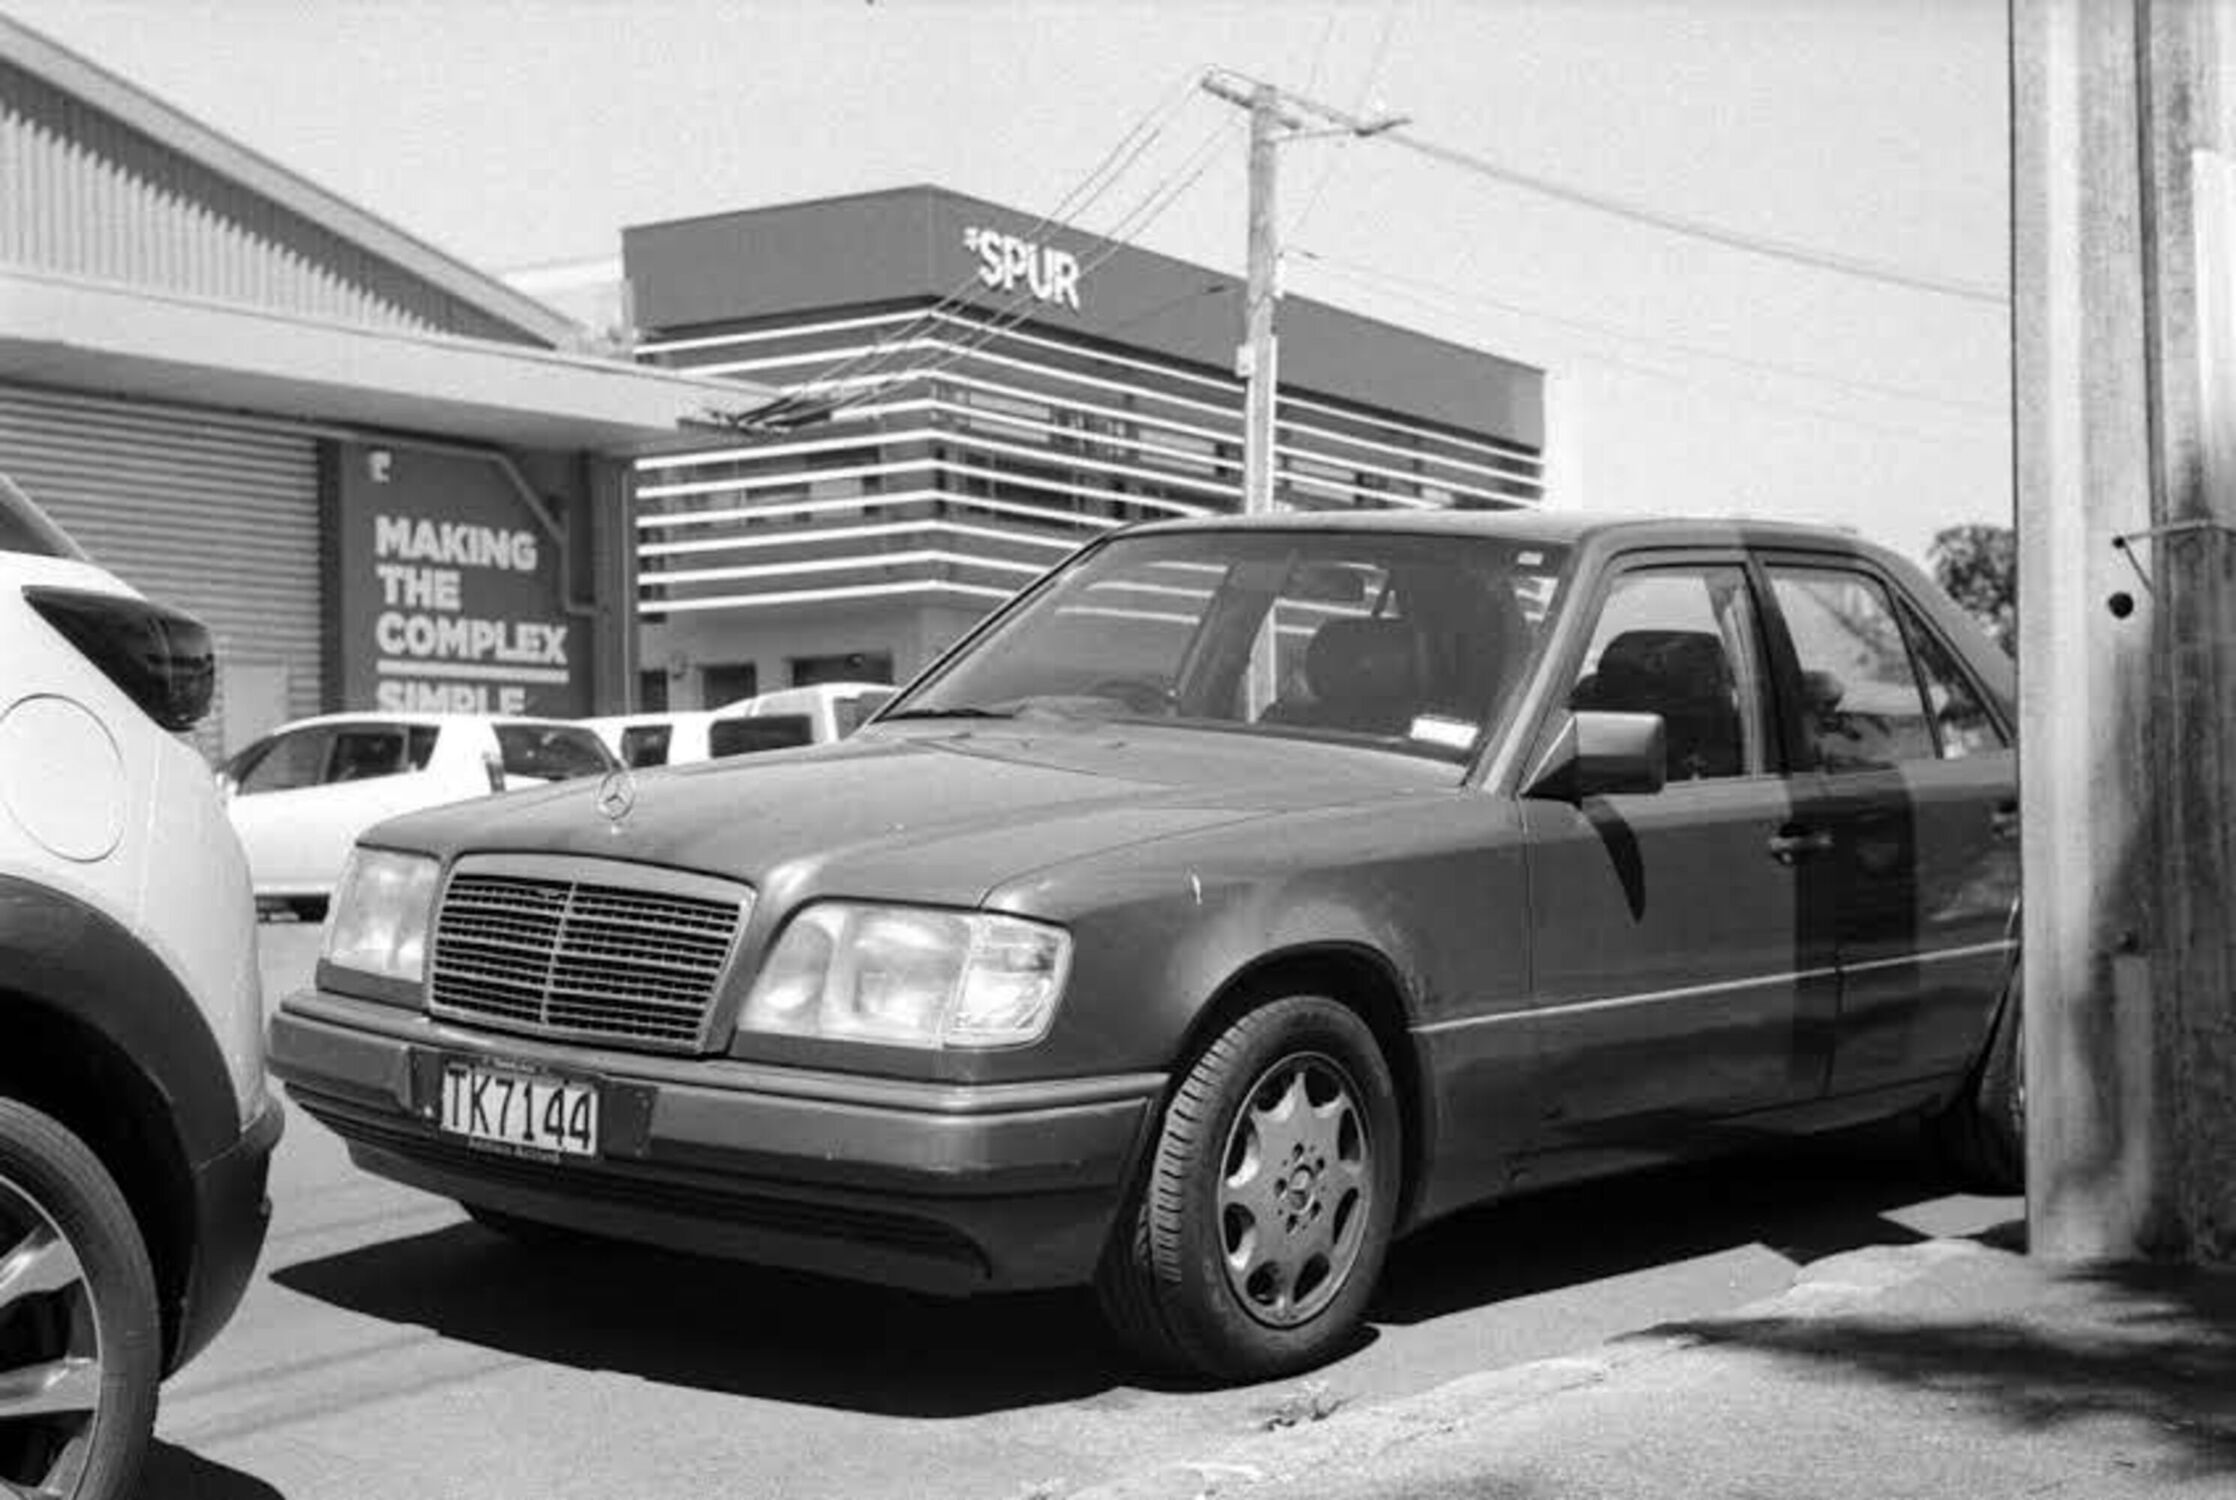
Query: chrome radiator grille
pixel 558 955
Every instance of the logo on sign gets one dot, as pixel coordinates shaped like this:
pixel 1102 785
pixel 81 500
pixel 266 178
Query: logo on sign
pixel 1050 274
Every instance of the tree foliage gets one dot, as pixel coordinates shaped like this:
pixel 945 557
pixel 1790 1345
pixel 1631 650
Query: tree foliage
pixel 1979 566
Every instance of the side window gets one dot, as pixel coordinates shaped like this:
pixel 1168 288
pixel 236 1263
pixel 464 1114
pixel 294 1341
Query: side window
pixel 848 713
pixel 294 760
pixel 1860 704
pixel 552 752
pixel 646 744
pixel 368 752
pixel 766 732
pixel 1681 642
pixel 422 745
pixel 1960 722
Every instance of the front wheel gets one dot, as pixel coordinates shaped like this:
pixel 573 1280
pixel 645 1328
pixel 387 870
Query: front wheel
pixel 1252 1243
pixel 80 1341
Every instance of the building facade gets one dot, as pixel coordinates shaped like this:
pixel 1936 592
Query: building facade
pixel 381 477
pixel 967 394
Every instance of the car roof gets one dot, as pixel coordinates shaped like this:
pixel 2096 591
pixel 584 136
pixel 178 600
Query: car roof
pixel 1530 524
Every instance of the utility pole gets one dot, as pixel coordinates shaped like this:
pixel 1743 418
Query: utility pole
pixel 1276 118
pixel 2124 373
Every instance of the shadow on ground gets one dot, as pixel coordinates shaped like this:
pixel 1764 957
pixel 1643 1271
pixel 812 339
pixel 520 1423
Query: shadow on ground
pixel 175 1474
pixel 2155 1345
pixel 743 1330
pixel 1805 1202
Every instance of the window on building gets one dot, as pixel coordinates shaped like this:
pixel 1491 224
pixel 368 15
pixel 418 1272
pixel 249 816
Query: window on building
pixel 726 682
pixel 652 690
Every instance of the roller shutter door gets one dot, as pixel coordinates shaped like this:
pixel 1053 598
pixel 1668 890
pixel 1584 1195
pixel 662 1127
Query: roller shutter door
pixel 218 517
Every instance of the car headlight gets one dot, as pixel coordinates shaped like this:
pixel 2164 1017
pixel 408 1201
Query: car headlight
pixel 910 977
pixel 380 914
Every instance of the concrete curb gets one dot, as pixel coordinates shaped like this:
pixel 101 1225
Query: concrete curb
pixel 1357 1437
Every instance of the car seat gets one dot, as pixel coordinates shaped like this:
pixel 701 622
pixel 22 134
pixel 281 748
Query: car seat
pixel 1683 675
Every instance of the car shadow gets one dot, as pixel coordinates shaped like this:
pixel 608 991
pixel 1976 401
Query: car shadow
pixel 735 1329
pixel 1802 1201
pixel 173 1473
pixel 752 1331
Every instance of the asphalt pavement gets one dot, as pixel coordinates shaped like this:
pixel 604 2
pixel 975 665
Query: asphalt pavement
pixel 389 1347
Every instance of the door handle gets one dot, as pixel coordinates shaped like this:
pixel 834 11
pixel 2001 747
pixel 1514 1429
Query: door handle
pixel 1795 841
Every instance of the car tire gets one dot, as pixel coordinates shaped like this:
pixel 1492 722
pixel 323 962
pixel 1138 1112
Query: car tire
pixel 1255 1232
pixel 308 908
pixel 533 1234
pixel 1981 1137
pixel 77 1297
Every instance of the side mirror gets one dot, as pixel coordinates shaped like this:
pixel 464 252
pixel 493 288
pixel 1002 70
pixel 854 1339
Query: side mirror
pixel 493 766
pixel 1597 754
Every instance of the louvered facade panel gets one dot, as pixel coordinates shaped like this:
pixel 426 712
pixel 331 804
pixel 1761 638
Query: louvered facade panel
pixel 218 517
pixel 87 196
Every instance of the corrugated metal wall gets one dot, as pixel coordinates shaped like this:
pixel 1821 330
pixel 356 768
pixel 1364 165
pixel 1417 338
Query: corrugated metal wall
pixel 217 517
pixel 88 196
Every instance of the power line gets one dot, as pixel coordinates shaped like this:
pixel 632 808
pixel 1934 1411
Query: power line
pixel 1447 301
pixel 1358 105
pixel 1115 163
pixel 1753 244
pixel 1798 372
pixel 1160 198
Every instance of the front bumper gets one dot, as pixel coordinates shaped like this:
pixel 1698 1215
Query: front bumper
pixel 935 1186
pixel 231 1215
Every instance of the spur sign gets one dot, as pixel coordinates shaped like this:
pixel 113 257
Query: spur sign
pixel 1007 261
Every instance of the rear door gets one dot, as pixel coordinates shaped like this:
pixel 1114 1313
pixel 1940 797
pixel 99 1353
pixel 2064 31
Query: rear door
pixel 1911 778
pixel 1680 977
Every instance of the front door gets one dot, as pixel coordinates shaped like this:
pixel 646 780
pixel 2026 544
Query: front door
pixel 1675 975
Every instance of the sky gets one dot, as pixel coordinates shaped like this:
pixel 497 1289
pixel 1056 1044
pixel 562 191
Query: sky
pixel 1685 374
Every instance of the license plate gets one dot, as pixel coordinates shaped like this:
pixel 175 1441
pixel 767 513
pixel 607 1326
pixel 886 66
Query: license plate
pixel 526 1111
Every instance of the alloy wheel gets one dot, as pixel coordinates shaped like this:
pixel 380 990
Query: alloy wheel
pixel 50 1353
pixel 1294 1190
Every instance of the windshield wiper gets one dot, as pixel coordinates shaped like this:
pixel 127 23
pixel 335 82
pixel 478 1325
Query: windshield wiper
pixel 966 711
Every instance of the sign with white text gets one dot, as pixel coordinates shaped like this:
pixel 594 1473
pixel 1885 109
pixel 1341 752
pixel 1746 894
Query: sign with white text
pixel 451 596
pixel 1005 260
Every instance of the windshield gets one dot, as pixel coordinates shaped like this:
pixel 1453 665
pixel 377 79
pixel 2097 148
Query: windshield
pixel 1411 642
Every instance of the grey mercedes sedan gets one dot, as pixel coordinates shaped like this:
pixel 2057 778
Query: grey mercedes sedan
pixel 1243 894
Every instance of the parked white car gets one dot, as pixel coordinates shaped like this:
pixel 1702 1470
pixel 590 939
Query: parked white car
pixel 826 711
pixel 770 721
pixel 135 1127
pixel 300 796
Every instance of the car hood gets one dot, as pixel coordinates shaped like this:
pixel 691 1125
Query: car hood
pixel 928 813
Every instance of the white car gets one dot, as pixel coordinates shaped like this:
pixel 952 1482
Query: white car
pixel 135 1128
pixel 770 721
pixel 300 796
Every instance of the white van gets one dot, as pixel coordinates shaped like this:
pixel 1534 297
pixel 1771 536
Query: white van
pixel 770 721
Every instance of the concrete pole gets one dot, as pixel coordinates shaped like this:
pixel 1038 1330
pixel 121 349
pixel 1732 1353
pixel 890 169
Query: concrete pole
pixel 1261 351
pixel 2127 655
